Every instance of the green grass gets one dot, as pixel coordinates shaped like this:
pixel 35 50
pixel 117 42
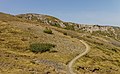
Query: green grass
pixel 41 47
pixel 69 27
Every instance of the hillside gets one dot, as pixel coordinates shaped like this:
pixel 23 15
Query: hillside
pixel 109 31
pixel 15 38
pixel 18 32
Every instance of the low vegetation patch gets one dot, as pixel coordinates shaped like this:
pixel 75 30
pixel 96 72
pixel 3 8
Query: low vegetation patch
pixel 69 27
pixel 48 31
pixel 41 47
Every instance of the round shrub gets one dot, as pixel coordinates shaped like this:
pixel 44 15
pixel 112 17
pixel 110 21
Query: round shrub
pixel 41 47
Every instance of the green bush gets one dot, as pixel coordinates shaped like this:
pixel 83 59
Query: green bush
pixel 69 27
pixel 41 47
pixel 48 31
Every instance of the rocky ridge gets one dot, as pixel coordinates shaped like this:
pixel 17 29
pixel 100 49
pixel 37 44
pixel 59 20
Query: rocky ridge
pixel 93 29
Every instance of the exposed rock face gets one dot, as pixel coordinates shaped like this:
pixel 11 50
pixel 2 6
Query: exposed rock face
pixel 91 28
pixel 43 18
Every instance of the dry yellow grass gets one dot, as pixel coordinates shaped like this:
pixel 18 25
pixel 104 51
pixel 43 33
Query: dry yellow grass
pixel 15 38
pixel 103 58
pixel 15 57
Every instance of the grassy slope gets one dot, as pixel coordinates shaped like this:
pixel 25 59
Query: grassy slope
pixel 103 57
pixel 15 38
pixel 99 60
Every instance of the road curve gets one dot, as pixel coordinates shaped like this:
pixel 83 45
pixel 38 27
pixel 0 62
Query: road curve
pixel 70 64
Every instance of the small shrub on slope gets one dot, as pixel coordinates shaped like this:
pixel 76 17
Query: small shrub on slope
pixel 48 31
pixel 41 47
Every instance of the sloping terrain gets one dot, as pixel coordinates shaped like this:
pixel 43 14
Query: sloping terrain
pixel 17 33
pixel 103 57
pixel 109 31
pixel 15 56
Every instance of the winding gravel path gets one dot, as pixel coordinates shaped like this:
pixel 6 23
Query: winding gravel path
pixel 61 67
pixel 70 64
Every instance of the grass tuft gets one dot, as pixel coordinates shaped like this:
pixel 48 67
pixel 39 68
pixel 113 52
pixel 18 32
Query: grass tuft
pixel 48 31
